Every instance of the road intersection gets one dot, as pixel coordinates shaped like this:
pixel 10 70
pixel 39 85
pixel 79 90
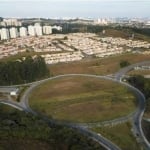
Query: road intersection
pixel 136 116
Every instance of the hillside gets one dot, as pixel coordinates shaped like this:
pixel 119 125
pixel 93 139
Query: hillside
pixel 20 131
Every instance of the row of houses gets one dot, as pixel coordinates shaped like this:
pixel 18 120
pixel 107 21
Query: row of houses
pixel 89 46
pixel 30 43
pixel 62 57
pixel 124 42
pixel 76 46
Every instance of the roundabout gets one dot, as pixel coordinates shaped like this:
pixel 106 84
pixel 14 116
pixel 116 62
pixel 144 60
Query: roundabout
pixel 81 99
pixel 136 117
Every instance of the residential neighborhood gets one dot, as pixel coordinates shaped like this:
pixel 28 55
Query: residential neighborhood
pixel 75 75
pixel 56 48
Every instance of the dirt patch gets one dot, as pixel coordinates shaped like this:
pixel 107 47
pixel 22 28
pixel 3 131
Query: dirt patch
pixel 99 66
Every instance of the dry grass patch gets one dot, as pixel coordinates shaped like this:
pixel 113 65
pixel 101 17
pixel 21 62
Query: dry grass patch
pixel 82 99
pixel 121 135
pixel 100 66
pixel 139 72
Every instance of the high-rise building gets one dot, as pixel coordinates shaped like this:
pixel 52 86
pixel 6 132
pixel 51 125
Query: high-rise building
pixel 38 30
pixel 13 32
pixel 101 21
pixel 47 30
pixel 23 31
pixel 31 30
pixel 3 24
pixel 4 34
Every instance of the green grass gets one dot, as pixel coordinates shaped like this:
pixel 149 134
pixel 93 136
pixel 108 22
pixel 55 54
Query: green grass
pixel 2 96
pixel 82 99
pixel 21 92
pixel 6 109
pixel 21 131
pixel 121 135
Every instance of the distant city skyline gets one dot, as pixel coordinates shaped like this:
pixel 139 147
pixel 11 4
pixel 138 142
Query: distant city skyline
pixel 75 8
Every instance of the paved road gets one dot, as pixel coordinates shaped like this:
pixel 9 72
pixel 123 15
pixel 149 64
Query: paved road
pixel 137 116
pixel 24 99
pixel 109 123
pixel 12 104
pixel 24 104
pixel 141 106
pixel 120 74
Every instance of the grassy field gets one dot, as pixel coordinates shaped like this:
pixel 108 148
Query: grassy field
pixel 117 33
pixel 82 99
pixel 139 72
pixel 100 66
pixel 2 96
pixel 22 131
pixel 121 135
pixel 125 33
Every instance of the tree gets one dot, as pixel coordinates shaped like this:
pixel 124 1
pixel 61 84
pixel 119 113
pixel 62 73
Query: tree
pixel 65 38
pixel 23 71
pixel 124 63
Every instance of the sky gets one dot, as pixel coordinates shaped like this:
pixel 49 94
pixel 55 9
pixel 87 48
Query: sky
pixel 75 8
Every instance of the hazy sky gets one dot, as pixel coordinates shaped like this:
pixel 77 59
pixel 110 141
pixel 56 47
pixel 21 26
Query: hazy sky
pixel 75 8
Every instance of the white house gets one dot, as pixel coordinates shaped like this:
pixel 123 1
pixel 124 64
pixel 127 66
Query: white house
pixel 14 92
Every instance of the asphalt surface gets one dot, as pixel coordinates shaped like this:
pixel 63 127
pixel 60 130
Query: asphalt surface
pixel 25 106
pixel 120 74
pixel 136 116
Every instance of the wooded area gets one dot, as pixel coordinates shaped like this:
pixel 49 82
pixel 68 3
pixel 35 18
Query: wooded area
pixel 143 85
pixel 23 71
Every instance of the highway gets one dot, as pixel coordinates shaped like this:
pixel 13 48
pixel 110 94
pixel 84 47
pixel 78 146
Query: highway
pixel 136 116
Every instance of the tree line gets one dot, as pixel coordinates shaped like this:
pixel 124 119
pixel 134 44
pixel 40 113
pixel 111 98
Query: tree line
pixel 19 130
pixel 143 85
pixel 23 71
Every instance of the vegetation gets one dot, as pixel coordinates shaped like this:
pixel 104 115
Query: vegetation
pixel 139 72
pixel 143 85
pixel 20 93
pixel 146 129
pixel 124 63
pixel 74 28
pixel 65 38
pixel 21 131
pixel 22 71
pixel 127 32
pixel 144 31
pixel 121 135
pixel 78 99
pixel 113 31
pixel 99 66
